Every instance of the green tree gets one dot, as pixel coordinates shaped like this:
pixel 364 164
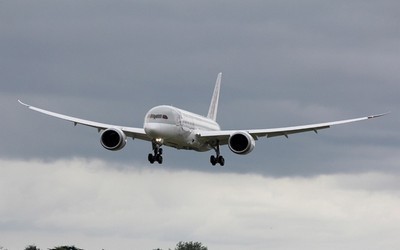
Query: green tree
pixel 65 248
pixel 32 247
pixel 190 246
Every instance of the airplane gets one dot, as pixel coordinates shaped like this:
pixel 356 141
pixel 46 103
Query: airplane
pixel 173 127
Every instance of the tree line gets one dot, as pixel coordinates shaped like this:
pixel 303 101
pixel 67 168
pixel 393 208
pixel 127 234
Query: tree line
pixel 180 246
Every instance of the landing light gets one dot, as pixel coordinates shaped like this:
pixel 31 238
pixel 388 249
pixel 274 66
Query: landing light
pixel 159 140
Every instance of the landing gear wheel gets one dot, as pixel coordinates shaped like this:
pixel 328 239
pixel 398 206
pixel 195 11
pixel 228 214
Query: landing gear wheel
pixel 151 158
pixel 157 156
pixel 218 158
pixel 221 160
pixel 159 159
pixel 213 160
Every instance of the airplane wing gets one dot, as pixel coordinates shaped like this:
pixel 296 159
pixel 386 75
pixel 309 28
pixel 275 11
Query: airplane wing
pixel 223 135
pixel 129 131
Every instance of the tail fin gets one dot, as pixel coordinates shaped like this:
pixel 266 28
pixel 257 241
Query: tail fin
pixel 212 112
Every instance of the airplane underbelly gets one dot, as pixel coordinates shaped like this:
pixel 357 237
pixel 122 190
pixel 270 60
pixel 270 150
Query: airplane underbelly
pixel 175 136
pixel 161 130
pixel 188 141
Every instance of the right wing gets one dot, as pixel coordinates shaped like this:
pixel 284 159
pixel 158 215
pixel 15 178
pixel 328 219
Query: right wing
pixel 223 135
pixel 138 133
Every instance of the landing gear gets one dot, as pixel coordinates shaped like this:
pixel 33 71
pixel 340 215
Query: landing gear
pixel 214 160
pixel 157 156
pixel 218 158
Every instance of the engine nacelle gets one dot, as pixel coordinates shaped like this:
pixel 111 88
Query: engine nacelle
pixel 241 143
pixel 113 139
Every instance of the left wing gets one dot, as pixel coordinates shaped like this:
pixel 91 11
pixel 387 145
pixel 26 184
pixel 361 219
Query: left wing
pixel 129 131
pixel 223 135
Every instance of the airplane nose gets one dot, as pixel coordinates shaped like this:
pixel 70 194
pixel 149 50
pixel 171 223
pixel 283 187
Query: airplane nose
pixel 160 130
pixel 152 129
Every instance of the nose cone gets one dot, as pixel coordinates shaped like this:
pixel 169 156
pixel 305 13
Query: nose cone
pixel 160 130
pixel 161 122
pixel 153 130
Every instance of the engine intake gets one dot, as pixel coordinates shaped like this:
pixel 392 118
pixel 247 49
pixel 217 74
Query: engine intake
pixel 113 139
pixel 241 143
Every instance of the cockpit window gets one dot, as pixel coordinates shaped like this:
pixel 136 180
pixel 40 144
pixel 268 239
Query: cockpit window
pixel 158 116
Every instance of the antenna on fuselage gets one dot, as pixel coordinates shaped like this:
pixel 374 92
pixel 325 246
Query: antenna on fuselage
pixel 212 112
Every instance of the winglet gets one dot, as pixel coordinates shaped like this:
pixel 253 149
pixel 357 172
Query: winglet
pixel 379 115
pixel 212 112
pixel 26 105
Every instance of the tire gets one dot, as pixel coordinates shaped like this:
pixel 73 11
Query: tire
pixel 221 161
pixel 151 158
pixel 213 160
pixel 159 159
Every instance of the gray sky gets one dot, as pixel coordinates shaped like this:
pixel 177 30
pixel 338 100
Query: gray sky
pixel 283 62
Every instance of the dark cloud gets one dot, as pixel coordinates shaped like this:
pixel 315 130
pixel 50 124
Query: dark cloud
pixel 292 62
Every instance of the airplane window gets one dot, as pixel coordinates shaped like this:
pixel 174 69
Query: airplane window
pixel 165 117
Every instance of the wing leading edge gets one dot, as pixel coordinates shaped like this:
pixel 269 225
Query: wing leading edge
pixel 138 133
pixel 223 135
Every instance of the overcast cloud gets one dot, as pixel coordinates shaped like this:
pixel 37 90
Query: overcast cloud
pixel 94 206
pixel 283 62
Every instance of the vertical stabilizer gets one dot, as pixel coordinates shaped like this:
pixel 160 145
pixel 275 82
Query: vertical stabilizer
pixel 212 112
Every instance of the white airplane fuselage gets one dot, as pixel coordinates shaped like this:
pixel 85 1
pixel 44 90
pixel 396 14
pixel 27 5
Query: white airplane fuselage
pixel 178 128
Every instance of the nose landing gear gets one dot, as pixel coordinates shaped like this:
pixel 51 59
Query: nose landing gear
pixel 157 156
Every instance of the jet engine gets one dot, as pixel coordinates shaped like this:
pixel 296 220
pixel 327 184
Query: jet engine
pixel 113 139
pixel 241 143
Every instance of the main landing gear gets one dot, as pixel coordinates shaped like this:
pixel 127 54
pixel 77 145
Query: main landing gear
pixel 157 156
pixel 218 158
